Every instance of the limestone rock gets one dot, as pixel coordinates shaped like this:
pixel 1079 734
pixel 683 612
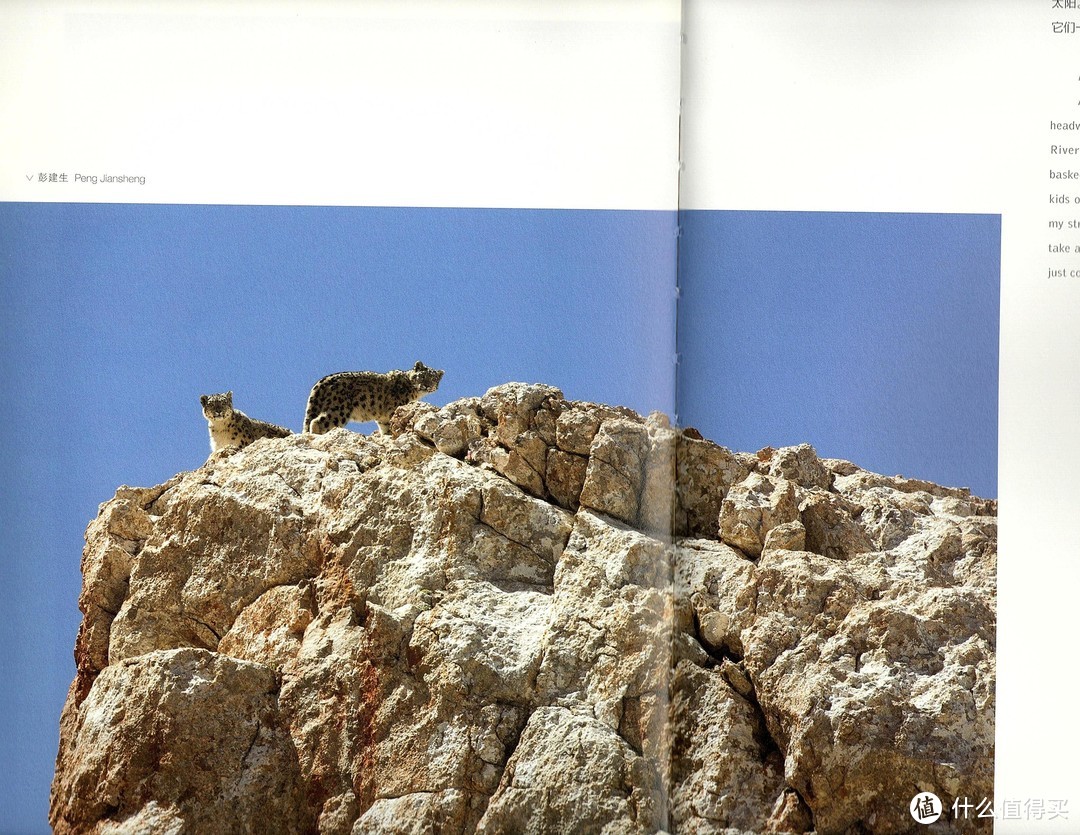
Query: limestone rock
pixel 799 465
pixel 830 527
pixel 518 613
pixel 192 732
pixel 727 773
pixel 753 508
pixel 705 474
pixel 451 429
pixel 615 473
pixel 573 772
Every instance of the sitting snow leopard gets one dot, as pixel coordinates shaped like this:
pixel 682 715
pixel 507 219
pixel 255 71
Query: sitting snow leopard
pixel 366 395
pixel 231 427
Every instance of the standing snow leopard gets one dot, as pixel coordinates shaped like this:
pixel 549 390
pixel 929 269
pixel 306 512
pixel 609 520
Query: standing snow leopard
pixel 231 427
pixel 366 395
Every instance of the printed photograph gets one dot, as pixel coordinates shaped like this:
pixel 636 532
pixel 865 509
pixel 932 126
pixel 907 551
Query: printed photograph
pixel 349 520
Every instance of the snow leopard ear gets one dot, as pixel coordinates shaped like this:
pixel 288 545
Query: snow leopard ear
pixel 419 366
pixel 203 399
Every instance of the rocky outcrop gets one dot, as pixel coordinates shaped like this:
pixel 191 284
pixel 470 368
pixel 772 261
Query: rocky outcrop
pixel 519 614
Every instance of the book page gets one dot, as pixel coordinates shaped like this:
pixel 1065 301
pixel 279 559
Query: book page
pixel 851 171
pixel 204 197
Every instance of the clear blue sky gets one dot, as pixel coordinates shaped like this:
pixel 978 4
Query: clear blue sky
pixel 872 336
